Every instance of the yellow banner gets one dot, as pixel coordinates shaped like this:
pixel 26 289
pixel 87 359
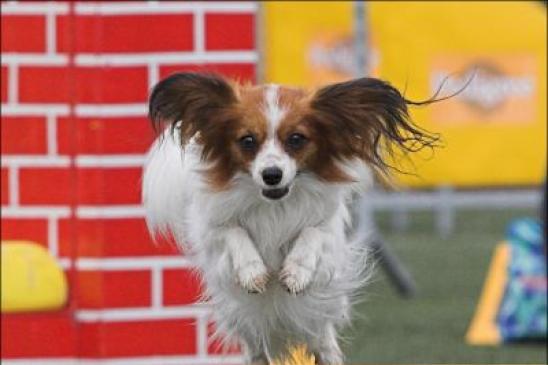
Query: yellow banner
pixel 494 130
pixel 307 42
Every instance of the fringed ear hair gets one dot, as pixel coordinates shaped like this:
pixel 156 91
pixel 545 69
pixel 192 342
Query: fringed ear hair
pixel 368 118
pixel 196 100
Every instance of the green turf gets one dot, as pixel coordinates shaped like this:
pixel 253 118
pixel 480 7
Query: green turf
pixel 430 328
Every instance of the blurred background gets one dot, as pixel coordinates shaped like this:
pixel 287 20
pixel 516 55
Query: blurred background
pixel 460 244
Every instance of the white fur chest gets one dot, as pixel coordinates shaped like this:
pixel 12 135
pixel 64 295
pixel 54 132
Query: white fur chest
pixel 272 226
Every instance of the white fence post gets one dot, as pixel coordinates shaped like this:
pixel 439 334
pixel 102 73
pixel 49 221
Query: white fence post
pixel 445 210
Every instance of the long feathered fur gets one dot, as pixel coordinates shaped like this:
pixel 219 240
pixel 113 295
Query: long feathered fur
pixel 201 188
pixel 177 200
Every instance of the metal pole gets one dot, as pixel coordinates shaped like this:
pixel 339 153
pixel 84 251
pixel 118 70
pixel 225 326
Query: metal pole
pixel 445 218
pixel 393 267
pixel 390 262
pixel 360 39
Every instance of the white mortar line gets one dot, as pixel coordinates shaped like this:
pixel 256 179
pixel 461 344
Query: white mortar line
pixel 51 46
pixel 118 8
pixel 53 237
pixel 141 314
pixel 35 212
pixel 201 335
pixel 199 31
pixel 41 59
pixel 153 75
pixel 110 160
pixel 110 211
pixel 51 130
pixel 228 7
pixel 100 110
pixel 133 263
pixel 13 182
pixel 64 262
pixel 34 109
pixel 13 83
pixel 121 59
pixel 42 361
pixel 34 8
pixel 244 56
pixel 35 161
pixel 141 360
pixel 157 290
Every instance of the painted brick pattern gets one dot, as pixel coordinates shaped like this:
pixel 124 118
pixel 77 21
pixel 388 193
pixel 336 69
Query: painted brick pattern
pixel 23 135
pixel 83 84
pixel 25 329
pixel 75 77
pixel 4 84
pixel 104 135
pixel 133 338
pixel 34 28
pixel 97 289
pixel 127 33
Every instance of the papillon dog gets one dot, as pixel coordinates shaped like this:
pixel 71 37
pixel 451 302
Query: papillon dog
pixel 255 183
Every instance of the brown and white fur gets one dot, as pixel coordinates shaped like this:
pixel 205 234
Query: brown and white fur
pixel 255 181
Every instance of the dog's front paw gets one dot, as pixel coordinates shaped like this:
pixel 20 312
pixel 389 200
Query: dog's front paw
pixel 295 276
pixel 253 277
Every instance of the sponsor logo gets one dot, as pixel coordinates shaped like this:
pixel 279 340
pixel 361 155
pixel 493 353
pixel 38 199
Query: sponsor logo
pixel 336 56
pixel 486 87
pixel 499 89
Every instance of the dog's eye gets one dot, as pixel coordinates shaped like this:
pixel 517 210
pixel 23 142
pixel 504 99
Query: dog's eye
pixel 296 141
pixel 248 142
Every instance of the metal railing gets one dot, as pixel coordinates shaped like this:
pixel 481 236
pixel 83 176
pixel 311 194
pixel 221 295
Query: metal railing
pixel 445 202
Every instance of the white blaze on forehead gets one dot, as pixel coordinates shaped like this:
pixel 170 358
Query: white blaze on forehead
pixel 273 111
pixel 272 153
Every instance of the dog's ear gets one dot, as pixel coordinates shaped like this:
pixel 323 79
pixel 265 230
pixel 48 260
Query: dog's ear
pixel 196 100
pixel 367 118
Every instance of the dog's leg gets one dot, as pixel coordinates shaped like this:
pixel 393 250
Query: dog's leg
pixel 327 350
pixel 251 273
pixel 300 264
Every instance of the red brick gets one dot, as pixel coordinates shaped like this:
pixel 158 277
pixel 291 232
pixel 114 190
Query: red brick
pixel 24 135
pixel 88 185
pixel 181 286
pixel 46 185
pixel 4 83
pixel 116 237
pixel 104 135
pixel 23 33
pixel 113 289
pixel 139 338
pixel 126 33
pixel 45 334
pixel 26 229
pixel 215 346
pixel 109 185
pixel 4 183
pixel 230 31
pixel 53 84
pixel 237 71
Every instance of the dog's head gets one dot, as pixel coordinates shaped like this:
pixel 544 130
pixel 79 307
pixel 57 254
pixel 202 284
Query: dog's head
pixel 273 133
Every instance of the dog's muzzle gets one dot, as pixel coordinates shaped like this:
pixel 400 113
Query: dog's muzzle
pixel 275 194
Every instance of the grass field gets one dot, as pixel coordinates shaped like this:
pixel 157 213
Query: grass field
pixel 430 328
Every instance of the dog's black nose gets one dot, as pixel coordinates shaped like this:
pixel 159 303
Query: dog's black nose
pixel 272 175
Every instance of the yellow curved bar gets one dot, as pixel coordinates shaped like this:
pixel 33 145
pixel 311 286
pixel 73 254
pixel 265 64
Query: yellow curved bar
pixel 31 278
pixel 297 356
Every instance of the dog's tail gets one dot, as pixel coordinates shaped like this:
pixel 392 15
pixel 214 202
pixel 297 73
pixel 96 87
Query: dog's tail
pixel 162 188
